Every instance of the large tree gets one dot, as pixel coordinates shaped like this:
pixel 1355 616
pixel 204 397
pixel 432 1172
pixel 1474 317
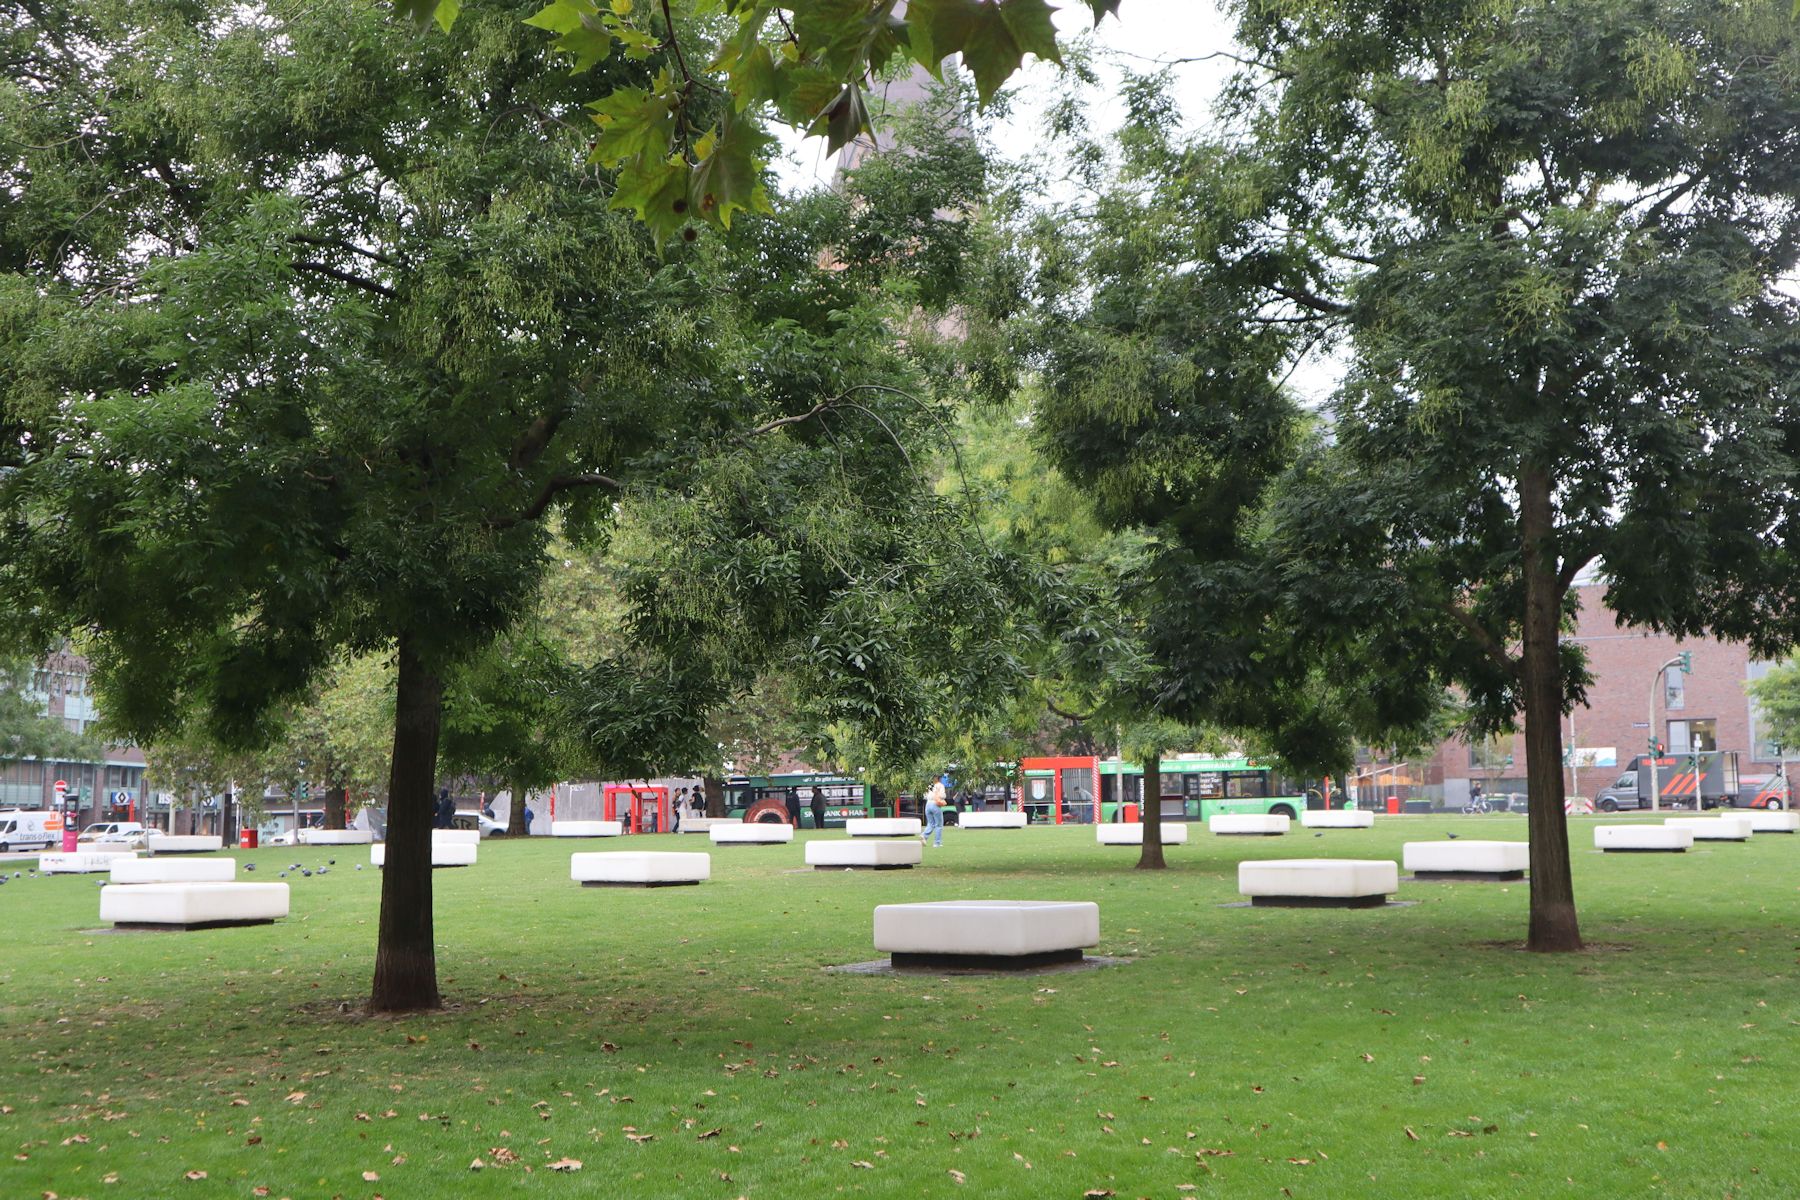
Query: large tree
pixel 310 326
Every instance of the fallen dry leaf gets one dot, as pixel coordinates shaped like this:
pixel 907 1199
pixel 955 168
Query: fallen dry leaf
pixel 863 1164
pixel 1301 1162
pixel 1212 1152
pixel 711 1133
pixel 502 1156
pixel 259 1190
pixel 295 1097
pixel 478 1165
pixel 195 1175
pixel 958 1176
pixel 1097 1194
pixel 370 1176
pixel 566 1164
pixel 1410 1135
pixel 1662 1145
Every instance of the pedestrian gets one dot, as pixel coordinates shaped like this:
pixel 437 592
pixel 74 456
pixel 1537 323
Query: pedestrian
pixel 681 799
pixel 792 796
pixel 818 807
pixel 934 814
pixel 487 807
pixel 446 808
pixel 529 817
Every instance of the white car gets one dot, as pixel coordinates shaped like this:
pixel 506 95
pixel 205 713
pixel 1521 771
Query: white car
pixel 130 833
pixel 480 821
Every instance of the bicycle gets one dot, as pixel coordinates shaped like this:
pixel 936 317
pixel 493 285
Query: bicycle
pixel 1476 806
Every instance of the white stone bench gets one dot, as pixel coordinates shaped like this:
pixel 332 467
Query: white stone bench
pixel 991 820
pixel 703 824
pixel 82 862
pixel 754 833
pixel 164 870
pixel 882 827
pixel 163 843
pixel 1318 882
pixel 1642 838
pixel 1119 833
pixel 1466 859
pixel 336 837
pixel 443 854
pixel 866 854
pixel 587 829
pixel 1715 829
pixel 193 905
pixel 1773 820
pixel 1248 824
pixel 1337 818
pixel 986 933
pixel 639 868
pixel 455 837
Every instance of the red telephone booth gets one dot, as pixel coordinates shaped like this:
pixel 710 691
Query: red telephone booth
pixel 1069 783
pixel 643 808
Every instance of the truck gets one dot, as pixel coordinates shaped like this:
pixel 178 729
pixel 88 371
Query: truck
pixel 22 829
pixel 1711 776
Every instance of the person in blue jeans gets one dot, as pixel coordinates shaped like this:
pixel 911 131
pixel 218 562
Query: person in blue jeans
pixel 934 814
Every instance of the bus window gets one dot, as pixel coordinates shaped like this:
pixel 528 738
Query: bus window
pixel 1246 785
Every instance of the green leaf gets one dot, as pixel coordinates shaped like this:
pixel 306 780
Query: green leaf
pixel 1102 8
pixel 656 189
pixel 936 29
pixel 804 92
pixel 728 175
pixel 559 16
pixel 634 123
pixel 422 12
pixel 447 12
pixel 845 119
pixel 1032 30
pixel 753 78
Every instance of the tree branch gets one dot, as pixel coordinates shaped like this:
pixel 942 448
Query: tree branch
pixel 553 487
pixel 310 239
pixel 1308 300
pixel 357 281
pixel 1490 645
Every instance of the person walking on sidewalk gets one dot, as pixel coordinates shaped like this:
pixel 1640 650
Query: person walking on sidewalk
pixel 934 814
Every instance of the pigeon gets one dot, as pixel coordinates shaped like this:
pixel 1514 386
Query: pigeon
pixel 359 866
pixel 332 861
pixel 249 866
pixel 1318 835
pixel 1451 836
pixel 99 883
pixel 324 870
pixel 307 873
pixel 284 874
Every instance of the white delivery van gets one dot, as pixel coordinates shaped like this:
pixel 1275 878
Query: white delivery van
pixel 22 830
pixel 130 832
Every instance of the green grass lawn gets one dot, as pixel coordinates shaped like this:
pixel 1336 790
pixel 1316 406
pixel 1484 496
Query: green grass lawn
pixel 688 1041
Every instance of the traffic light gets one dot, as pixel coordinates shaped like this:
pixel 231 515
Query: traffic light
pixel 1656 747
pixel 1687 662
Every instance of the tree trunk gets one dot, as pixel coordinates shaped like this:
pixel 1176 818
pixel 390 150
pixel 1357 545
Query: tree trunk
pixel 1150 813
pixel 715 795
pixel 406 951
pixel 1553 926
pixel 336 799
pixel 515 824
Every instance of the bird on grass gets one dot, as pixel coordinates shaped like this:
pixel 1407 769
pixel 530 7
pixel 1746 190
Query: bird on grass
pixel 1451 836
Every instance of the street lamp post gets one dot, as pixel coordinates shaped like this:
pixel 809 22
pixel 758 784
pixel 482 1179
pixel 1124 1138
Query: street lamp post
pixel 1680 660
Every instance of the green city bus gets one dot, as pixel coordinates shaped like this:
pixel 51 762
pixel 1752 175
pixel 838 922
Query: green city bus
pixel 1083 789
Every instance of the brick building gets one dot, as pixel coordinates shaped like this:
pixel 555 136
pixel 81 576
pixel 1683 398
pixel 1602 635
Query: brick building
pixel 1704 710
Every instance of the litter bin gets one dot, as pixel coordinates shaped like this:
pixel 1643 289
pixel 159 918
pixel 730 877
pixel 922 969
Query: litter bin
pixel 71 837
pixel 1128 813
pixel 1393 806
pixel 247 839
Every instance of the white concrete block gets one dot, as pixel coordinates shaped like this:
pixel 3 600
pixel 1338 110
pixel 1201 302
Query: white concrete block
pixel 587 829
pixel 1643 837
pixel 452 837
pixel 1473 859
pixel 336 837
pixel 756 833
pixel 82 862
pixel 1773 820
pixel 884 826
pixel 1715 829
pixel 1120 833
pixel 703 824
pixel 873 854
pixel 1337 818
pixel 443 854
pixel 173 870
pixel 194 905
pixel 1348 882
pixel 991 820
pixel 1248 824
pixel 639 868
pixel 163 843
pixel 1024 932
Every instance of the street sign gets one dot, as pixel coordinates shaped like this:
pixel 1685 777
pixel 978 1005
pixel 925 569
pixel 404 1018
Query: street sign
pixel 1640 724
pixel 61 788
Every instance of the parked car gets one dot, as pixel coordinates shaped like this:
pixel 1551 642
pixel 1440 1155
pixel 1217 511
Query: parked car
pixel 479 821
pixel 131 833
